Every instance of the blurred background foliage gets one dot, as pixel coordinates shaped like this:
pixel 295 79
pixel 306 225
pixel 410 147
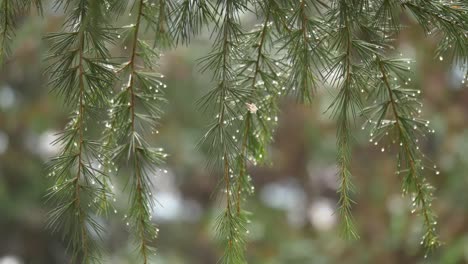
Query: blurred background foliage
pixel 294 204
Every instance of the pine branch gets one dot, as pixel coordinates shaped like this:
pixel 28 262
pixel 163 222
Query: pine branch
pixel 75 71
pixel 444 19
pixel 222 142
pixel 140 217
pixel 404 106
pixel 159 20
pixel 6 16
pixel 241 182
pixel 190 16
pixel 409 155
pixel 449 19
pixel 260 73
pixel 135 109
pixel 305 52
pixel 345 75
pixel 84 234
pixel 388 14
pixel 228 225
pixel 10 10
pixel 293 51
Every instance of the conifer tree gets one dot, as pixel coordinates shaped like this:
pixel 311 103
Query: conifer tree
pixel 297 47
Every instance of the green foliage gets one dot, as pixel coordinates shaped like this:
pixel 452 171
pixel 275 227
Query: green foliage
pixel 134 112
pixel 9 11
pixel 405 127
pixel 297 47
pixel 78 70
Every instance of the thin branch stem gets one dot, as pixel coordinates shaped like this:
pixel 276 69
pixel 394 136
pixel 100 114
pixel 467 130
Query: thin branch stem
pixel 137 168
pixel 408 153
pixel 80 120
pixel 343 131
pixel 248 118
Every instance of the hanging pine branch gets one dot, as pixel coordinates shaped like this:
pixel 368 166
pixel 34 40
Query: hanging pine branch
pixel 354 32
pixel 7 19
pixel 190 16
pixel 396 109
pixel 259 75
pixel 346 74
pixel 396 115
pixel 260 72
pixel 160 22
pixel 78 73
pixel 135 111
pixel 304 47
pixel 298 47
pixel 220 138
pixel 444 20
pixel 447 20
pixel 9 12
